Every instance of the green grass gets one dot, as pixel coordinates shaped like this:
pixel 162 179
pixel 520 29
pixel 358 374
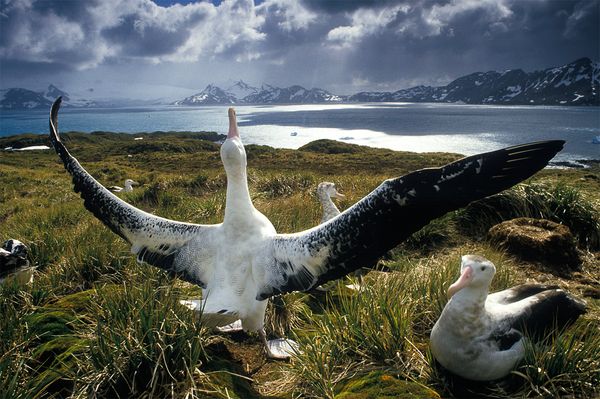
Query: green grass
pixel 141 340
pixel 563 363
pixel 94 323
pixel 560 203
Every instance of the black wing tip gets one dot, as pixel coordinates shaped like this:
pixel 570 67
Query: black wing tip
pixel 517 163
pixel 550 146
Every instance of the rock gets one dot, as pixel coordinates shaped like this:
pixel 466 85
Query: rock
pixel 537 239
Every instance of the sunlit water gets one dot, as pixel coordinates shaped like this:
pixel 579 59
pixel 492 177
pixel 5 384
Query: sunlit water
pixel 465 129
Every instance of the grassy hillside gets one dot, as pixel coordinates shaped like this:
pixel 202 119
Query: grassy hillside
pixel 96 324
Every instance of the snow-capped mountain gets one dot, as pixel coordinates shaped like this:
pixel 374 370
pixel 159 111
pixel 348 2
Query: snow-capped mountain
pixel 53 92
pixel 577 83
pixel 290 95
pixel 371 96
pixel 267 94
pixel 211 95
pixel 241 89
pixel 19 99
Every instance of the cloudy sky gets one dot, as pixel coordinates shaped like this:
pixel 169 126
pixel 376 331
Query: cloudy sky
pixel 168 48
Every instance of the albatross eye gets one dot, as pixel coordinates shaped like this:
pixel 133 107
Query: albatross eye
pixel 482 268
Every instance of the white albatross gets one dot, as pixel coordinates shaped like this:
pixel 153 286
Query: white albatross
pixel 127 189
pixel 479 336
pixel 325 192
pixel 242 262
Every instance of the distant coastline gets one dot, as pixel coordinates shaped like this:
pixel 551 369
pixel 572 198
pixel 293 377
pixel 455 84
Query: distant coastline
pixel 574 84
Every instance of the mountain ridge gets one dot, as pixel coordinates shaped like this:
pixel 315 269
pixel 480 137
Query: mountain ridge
pixel 580 78
pixel 575 83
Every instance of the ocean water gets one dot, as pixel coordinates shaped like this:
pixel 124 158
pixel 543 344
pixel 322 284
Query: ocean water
pixel 465 129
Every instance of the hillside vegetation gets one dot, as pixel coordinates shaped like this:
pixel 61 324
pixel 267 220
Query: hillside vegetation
pixel 94 323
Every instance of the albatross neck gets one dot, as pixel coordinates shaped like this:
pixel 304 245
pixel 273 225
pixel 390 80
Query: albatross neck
pixel 238 204
pixel 472 296
pixel 329 208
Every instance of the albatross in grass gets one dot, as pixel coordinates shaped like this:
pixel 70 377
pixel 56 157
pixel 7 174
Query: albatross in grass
pixel 14 265
pixel 479 336
pixel 325 192
pixel 242 262
pixel 127 189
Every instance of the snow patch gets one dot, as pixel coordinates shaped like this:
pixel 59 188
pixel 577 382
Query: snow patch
pixel 30 148
pixel 513 91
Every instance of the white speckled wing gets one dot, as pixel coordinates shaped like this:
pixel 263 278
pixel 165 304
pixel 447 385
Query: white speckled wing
pixel 392 212
pixel 154 240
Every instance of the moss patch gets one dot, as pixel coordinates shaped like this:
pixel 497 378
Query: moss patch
pixel 380 385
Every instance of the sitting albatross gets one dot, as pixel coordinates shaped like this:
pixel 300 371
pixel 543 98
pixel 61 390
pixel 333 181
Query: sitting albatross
pixel 243 261
pixel 14 264
pixel 127 189
pixel 325 192
pixel 479 336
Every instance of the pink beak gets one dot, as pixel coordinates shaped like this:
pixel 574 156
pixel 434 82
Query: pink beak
pixel 462 281
pixel 233 129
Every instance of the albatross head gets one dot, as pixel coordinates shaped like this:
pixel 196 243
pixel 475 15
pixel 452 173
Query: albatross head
pixel 233 153
pixel 328 190
pixel 475 271
pixel 130 183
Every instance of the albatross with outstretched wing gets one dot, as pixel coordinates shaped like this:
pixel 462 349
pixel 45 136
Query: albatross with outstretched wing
pixel 243 261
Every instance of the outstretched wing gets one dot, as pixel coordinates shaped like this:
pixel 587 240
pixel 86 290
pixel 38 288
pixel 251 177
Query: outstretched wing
pixel 392 212
pixel 155 240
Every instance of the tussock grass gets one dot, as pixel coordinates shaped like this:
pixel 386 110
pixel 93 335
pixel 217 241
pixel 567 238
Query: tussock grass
pixel 143 341
pixel 563 363
pixel 284 314
pixel 96 324
pixel 285 185
pixel 559 203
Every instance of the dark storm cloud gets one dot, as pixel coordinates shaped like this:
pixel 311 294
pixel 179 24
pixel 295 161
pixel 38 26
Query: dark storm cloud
pixel 136 40
pixel 332 44
pixel 284 38
pixel 77 11
pixel 455 38
pixel 23 70
pixel 337 6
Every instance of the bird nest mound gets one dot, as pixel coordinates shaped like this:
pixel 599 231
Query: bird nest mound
pixel 537 239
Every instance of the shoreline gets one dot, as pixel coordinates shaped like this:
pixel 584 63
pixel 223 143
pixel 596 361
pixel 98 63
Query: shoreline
pixel 411 127
pixel 575 164
pixel 25 142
